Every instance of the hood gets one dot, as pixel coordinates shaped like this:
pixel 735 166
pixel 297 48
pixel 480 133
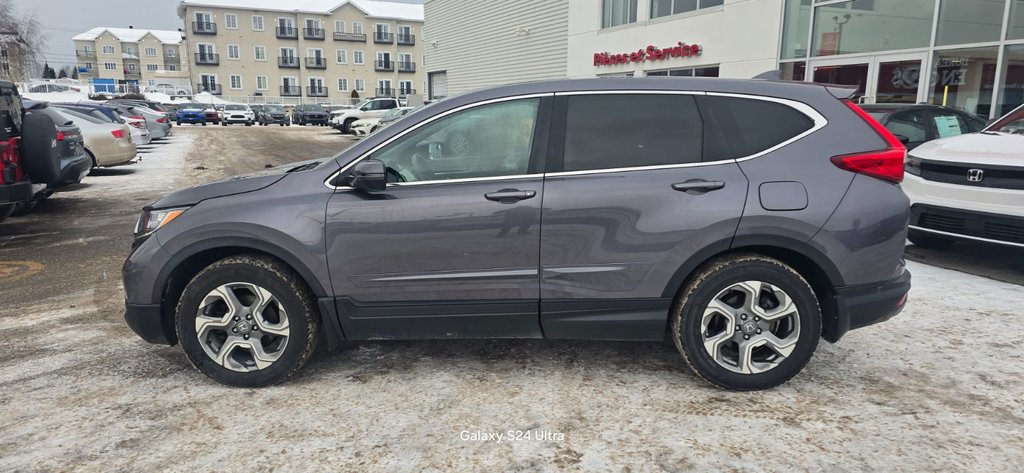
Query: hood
pixel 998 149
pixel 232 185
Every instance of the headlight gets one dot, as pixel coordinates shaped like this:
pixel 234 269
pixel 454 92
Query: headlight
pixel 912 165
pixel 153 220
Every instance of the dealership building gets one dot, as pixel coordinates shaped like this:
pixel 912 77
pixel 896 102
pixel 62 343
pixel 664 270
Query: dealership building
pixel 967 54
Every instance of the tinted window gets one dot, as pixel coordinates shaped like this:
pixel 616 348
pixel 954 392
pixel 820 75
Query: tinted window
pixel 912 124
pixel 751 126
pixel 629 130
pixel 486 141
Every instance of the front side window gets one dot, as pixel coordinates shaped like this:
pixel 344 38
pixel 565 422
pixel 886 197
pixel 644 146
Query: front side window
pixel 634 134
pixel 618 12
pixel 487 141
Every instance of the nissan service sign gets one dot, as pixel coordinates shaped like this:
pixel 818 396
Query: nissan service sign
pixel 652 53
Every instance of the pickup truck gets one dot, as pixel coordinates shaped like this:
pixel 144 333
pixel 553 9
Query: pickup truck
pixel 342 120
pixel 28 153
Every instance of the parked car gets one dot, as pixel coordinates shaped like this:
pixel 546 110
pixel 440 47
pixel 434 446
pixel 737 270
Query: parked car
pixel 28 160
pixel 921 123
pixel 136 125
pixel 237 113
pixel 169 89
pixel 768 218
pixel 365 126
pixel 370 108
pixel 191 113
pixel 969 187
pixel 107 144
pixel 157 124
pixel 392 116
pixel 309 114
pixel 273 115
pixel 212 114
pixel 74 162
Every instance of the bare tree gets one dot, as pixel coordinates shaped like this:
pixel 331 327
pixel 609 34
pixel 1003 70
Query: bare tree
pixel 27 39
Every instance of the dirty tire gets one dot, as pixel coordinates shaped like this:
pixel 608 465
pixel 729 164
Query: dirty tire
pixel 291 293
pixel 717 275
pixel 5 211
pixel 39 148
pixel 928 240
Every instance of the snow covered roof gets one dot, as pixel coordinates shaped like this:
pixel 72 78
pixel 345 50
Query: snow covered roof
pixel 371 8
pixel 130 35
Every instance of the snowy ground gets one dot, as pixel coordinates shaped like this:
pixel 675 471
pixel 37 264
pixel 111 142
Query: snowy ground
pixel 936 388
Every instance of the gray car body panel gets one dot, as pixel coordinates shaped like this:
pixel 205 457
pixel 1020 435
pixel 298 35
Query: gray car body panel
pixel 438 260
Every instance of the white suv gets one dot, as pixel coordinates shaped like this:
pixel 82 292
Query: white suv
pixel 237 113
pixel 969 186
pixel 369 108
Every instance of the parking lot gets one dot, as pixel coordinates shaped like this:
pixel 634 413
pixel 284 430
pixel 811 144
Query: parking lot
pixel 936 388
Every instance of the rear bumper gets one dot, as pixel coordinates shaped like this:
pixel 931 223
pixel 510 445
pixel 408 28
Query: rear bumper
pixel 145 320
pixel 867 304
pixel 16 192
pixel 191 119
pixel 73 170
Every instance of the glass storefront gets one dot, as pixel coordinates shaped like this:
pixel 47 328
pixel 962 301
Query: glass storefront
pixel 949 52
pixel 686 72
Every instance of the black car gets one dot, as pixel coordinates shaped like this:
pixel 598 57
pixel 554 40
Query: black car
pixel 309 114
pixel 915 124
pixel 272 115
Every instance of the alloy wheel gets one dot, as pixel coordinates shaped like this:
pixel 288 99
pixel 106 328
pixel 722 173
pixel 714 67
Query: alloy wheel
pixel 750 327
pixel 242 327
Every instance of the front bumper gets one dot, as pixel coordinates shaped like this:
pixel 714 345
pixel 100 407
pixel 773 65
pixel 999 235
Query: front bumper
pixel 146 321
pixel 970 225
pixel 270 119
pixel 867 304
pixel 16 192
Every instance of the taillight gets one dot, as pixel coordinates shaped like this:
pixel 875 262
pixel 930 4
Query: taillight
pixel 60 135
pixel 161 120
pixel 137 118
pixel 118 134
pixel 885 164
pixel 135 124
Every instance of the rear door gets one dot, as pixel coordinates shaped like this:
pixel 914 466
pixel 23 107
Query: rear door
pixel 637 185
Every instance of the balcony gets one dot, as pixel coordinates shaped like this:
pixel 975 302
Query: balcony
pixel 208 87
pixel 313 33
pixel 385 92
pixel 406 92
pixel 316 63
pixel 207 59
pixel 132 75
pixel 88 53
pixel 353 37
pixel 287 32
pixel 406 67
pixel 380 37
pixel 312 91
pixel 202 27
pixel 291 91
pixel 288 62
pixel 406 40
pixel 171 58
pixel 384 66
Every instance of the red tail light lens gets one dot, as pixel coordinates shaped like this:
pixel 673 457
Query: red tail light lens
pixel 161 120
pixel 885 164
pixel 135 124
pixel 118 134
pixel 60 136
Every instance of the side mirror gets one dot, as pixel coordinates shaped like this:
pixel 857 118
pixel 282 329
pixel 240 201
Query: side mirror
pixel 368 175
pixel 903 139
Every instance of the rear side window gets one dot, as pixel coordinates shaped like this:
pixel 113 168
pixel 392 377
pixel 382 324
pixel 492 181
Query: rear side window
pixel 751 126
pixel 630 130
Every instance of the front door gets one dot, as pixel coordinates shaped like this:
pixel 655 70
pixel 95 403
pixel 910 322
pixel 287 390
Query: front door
pixel 879 79
pixel 451 247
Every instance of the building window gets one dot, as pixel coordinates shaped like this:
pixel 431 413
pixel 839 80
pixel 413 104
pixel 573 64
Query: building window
pixel 687 72
pixel 357 27
pixel 360 85
pixel 110 66
pixel 964 79
pixel 343 85
pixel 170 52
pixel 130 50
pixel 618 12
pixel 339 26
pixel 236 81
pixel 151 67
pixel 131 67
pixel 88 65
pixel 259 53
pixel 342 56
pixel 262 83
pixel 150 52
pixel 661 8
pixel 234 52
pixel 108 50
pixel 895 24
pixel 172 67
pixel 231 21
pixel 1012 86
pixel 405 87
pixel 357 57
pixel 969 21
pixel 257 23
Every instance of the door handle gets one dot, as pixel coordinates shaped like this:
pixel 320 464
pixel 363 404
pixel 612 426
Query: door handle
pixel 510 196
pixel 698 186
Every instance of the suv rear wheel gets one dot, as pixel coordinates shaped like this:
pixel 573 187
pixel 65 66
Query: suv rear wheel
pixel 247 321
pixel 746 322
pixel 5 211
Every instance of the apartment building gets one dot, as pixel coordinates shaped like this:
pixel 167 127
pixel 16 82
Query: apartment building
pixel 112 57
pixel 14 63
pixel 323 51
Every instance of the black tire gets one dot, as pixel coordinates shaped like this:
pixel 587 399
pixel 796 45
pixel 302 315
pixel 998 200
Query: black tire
pixel 716 276
pixel 223 123
pixel 248 123
pixel 22 209
pixel 347 126
pixel 40 156
pixel 5 211
pixel 929 240
pixel 92 158
pixel 204 123
pixel 294 297
pixel 179 123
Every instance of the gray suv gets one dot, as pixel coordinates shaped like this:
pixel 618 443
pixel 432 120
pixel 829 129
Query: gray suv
pixel 743 220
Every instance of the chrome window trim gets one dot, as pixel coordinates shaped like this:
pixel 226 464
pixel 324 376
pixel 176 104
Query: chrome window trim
pixel 426 122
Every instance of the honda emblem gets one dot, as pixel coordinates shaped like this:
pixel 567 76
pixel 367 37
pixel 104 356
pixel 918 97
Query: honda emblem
pixel 975 175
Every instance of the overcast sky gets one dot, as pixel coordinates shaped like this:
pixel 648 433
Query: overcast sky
pixel 64 19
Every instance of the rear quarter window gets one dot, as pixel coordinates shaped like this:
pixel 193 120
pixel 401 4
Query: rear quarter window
pixel 750 126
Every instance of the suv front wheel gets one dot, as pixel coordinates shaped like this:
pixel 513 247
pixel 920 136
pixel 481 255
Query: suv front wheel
pixel 247 321
pixel 746 322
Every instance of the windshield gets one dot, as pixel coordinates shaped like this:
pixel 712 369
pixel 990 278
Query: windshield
pixel 1012 122
pixel 273 108
pixel 234 107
